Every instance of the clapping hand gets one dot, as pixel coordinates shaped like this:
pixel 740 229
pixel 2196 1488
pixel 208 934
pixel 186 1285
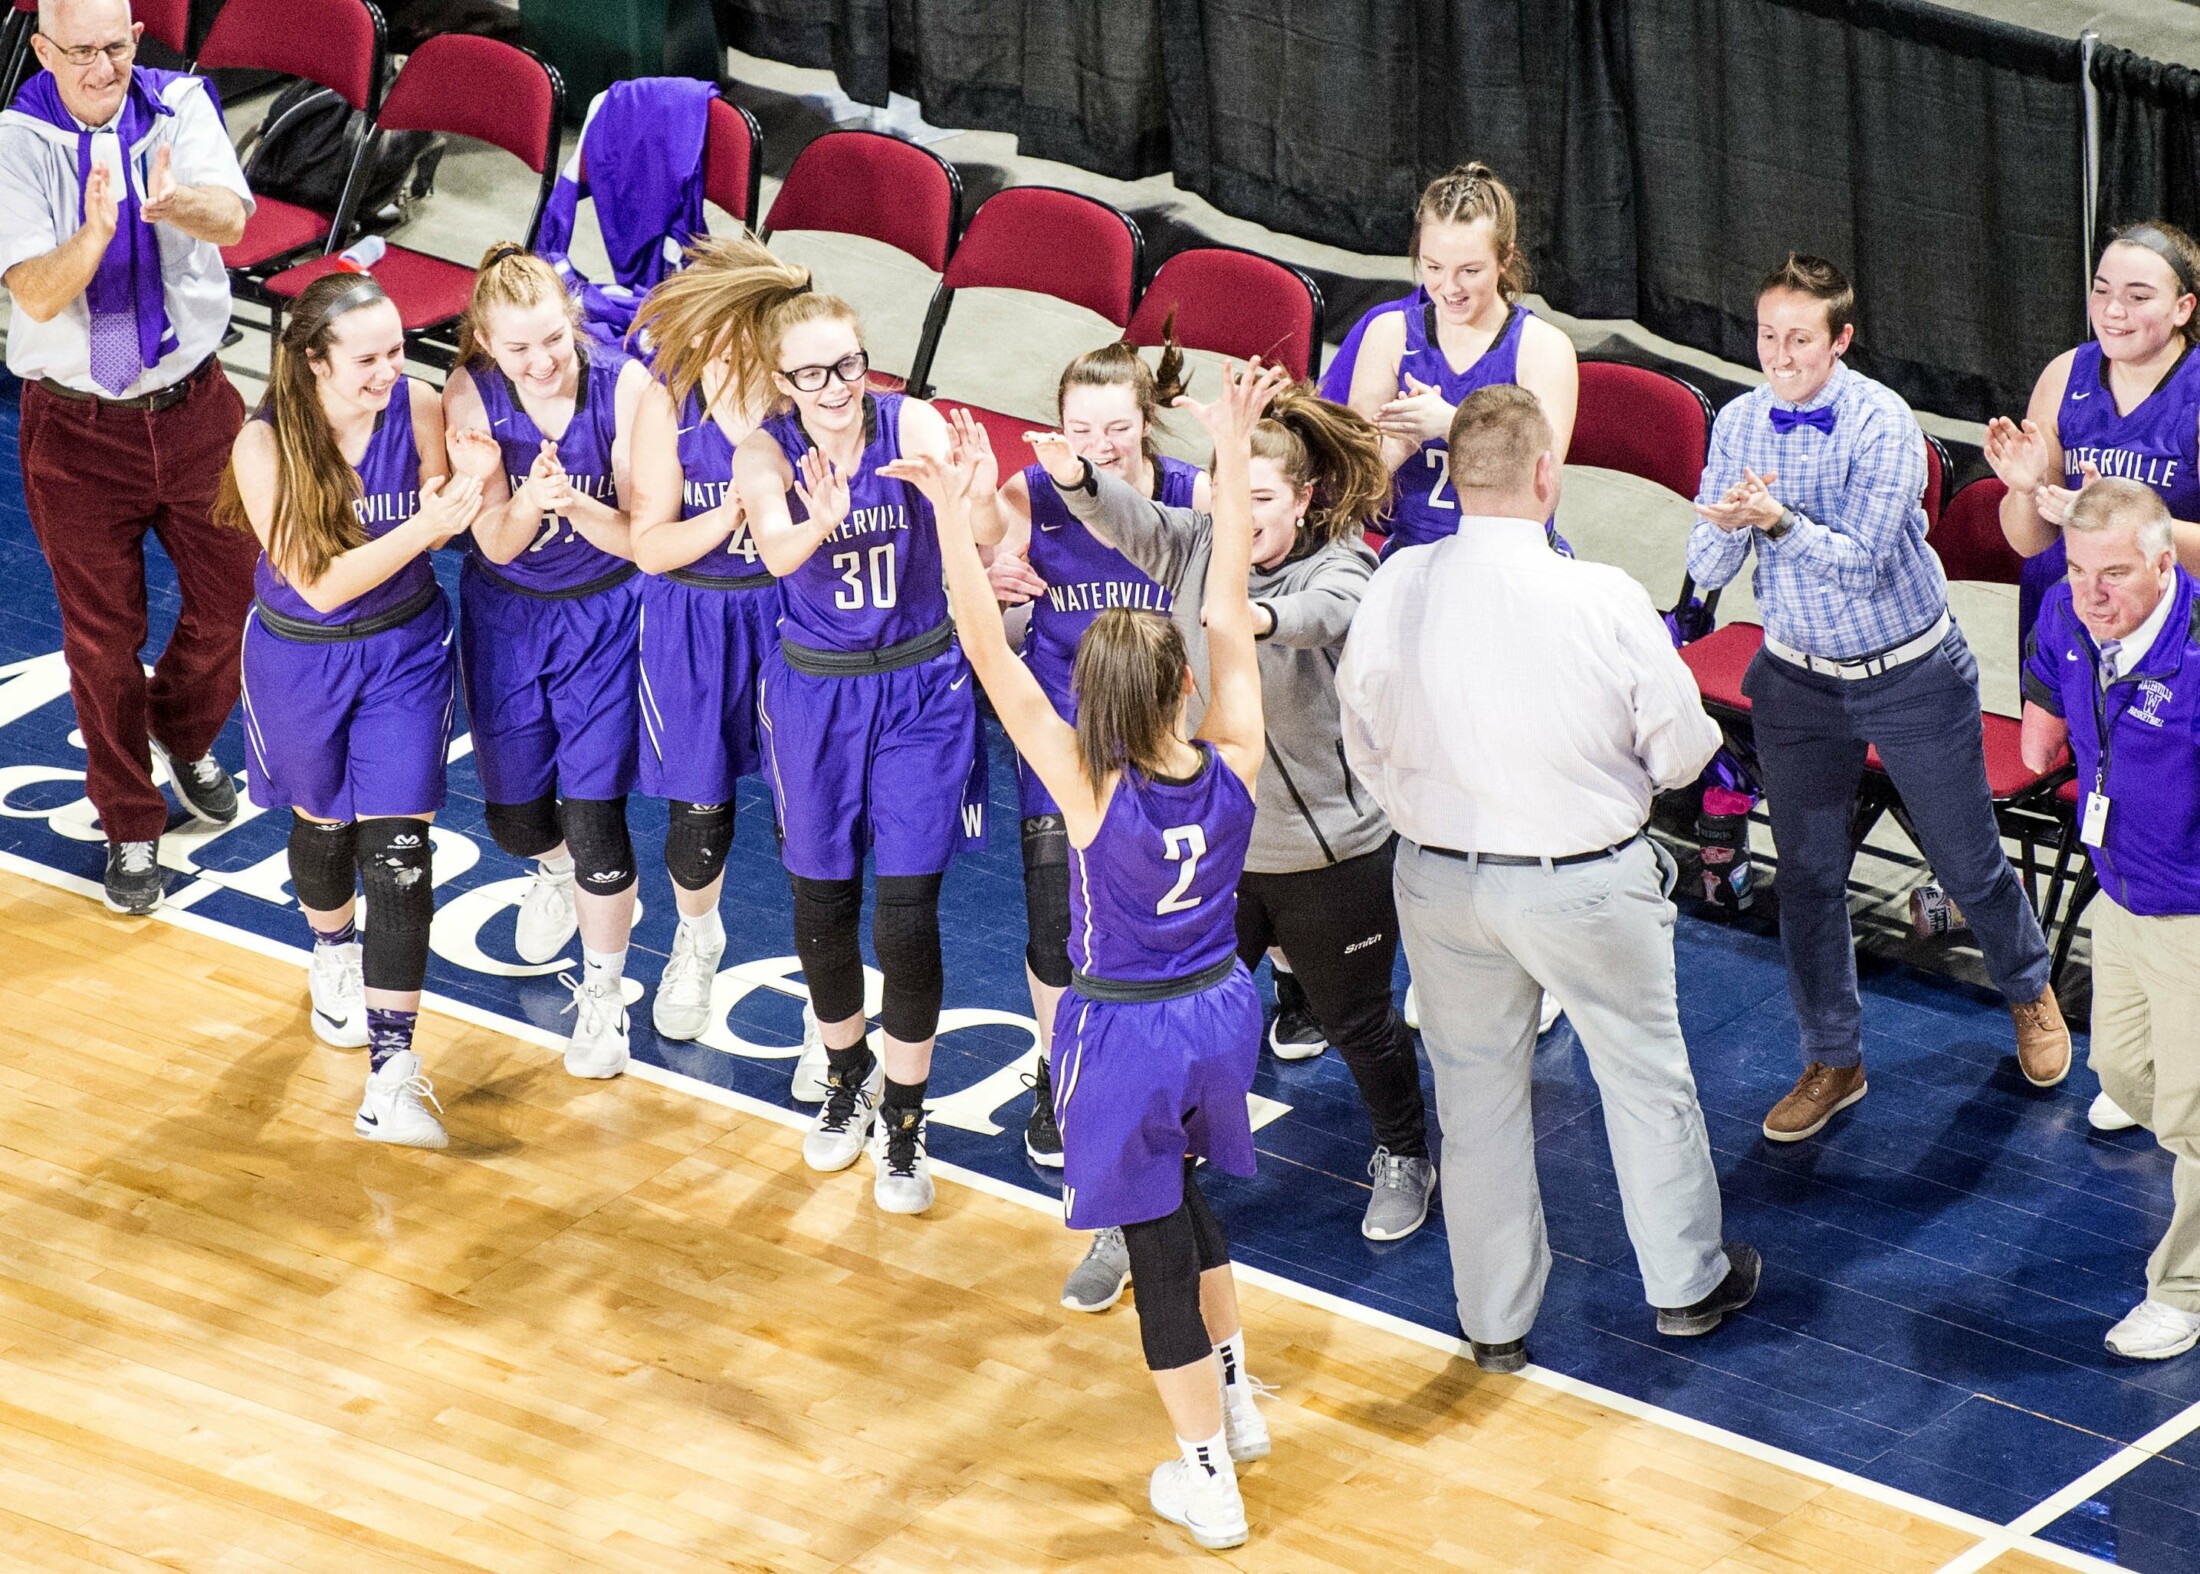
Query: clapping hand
pixel 1417 416
pixel 159 202
pixel 448 505
pixel 546 489
pixel 2019 454
pixel 102 203
pixel 823 491
pixel 1748 503
pixel 473 451
pixel 1247 391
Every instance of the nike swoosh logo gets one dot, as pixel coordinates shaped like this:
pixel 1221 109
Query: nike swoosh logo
pixel 338 1023
pixel 958 683
pixel 2074 398
pixel 2070 655
pixel 1050 529
pixel 372 1120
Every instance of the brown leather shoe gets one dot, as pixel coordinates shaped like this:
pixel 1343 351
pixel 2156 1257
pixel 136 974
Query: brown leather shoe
pixel 2043 1040
pixel 1821 1092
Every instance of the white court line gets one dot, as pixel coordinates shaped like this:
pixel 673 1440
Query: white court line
pixel 1994 1539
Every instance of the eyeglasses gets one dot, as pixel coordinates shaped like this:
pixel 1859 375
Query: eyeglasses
pixel 849 369
pixel 83 55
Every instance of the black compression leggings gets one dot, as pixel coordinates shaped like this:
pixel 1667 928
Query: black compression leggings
pixel 1167 1257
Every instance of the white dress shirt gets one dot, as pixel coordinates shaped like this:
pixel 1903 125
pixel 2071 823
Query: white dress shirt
pixel 1499 698
pixel 2132 649
pixel 39 198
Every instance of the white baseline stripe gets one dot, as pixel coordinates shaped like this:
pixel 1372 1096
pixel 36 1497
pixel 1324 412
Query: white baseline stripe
pixel 1995 1539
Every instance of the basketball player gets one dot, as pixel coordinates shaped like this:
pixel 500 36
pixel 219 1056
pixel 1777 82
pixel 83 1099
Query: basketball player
pixel 1406 365
pixel 709 609
pixel 1159 1033
pixel 1108 402
pixel 348 683
pixel 548 622
pixel 870 722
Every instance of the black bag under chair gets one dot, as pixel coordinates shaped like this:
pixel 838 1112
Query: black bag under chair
pixel 302 150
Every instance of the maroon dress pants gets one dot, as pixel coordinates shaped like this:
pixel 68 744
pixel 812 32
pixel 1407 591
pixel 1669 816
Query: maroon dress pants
pixel 97 476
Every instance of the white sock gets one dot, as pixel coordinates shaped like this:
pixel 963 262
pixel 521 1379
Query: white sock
pixel 602 970
pixel 558 868
pixel 1232 1353
pixel 707 928
pixel 1211 1457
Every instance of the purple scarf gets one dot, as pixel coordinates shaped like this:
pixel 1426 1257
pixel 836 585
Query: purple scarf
pixel 128 280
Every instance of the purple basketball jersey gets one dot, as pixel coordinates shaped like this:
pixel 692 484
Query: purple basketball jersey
pixel 878 580
pixel 1155 895
pixel 560 557
pixel 389 494
pixel 1084 576
pixel 1422 506
pixel 706 471
pixel 2157 445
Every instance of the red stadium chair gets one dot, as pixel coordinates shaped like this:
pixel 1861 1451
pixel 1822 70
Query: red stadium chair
pixel 1047 242
pixel 167 21
pixel 733 160
pixel 1936 473
pixel 1644 423
pixel 1968 535
pixel 1233 302
pixel 334 43
pixel 869 184
pixel 462 85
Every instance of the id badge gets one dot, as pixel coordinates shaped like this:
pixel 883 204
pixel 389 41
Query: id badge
pixel 2095 824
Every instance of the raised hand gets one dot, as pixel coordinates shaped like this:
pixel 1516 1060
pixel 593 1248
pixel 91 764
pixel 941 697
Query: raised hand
pixel 473 451
pixel 1419 415
pixel 1055 455
pixel 1247 391
pixel 2020 455
pixel 158 205
pixel 448 505
pixel 102 203
pixel 1014 580
pixel 946 480
pixel 969 439
pixel 823 490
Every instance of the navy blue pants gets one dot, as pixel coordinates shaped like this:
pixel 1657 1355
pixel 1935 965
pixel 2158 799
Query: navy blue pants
pixel 1923 718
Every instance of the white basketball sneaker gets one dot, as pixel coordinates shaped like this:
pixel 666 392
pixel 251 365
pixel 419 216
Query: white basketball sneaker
pixel 903 1181
pixel 2105 1114
pixel 339 992
pixel 843 1125
pixel 682 1007
pixel 547 921
pixel 396 1106
pixel 598 1047
pixel 1547 1017
pixel 1206 1503
pixel 1242 1422
pixel 809 1071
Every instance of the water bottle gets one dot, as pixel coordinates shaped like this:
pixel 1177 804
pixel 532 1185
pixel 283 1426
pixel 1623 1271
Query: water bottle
pixel 362 254
pixel 1723 830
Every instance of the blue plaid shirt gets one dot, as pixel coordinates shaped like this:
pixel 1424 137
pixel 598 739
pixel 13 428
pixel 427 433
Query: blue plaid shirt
pixel 1854 577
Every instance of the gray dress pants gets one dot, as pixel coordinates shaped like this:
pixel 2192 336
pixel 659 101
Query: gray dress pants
pixel 1484 941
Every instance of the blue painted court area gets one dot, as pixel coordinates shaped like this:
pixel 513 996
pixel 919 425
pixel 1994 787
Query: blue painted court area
pixel 1939 1268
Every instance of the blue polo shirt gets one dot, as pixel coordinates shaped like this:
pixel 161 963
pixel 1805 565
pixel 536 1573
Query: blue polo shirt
pixel 2138 741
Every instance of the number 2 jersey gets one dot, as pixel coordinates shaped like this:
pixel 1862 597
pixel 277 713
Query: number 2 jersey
pixel 877 580
pixel 1154 897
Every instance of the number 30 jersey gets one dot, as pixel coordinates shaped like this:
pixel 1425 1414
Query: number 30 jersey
pixel 1155 895
pixel 876 580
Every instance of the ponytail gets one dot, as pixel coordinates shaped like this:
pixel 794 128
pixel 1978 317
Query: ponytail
pixel 1129 682
pixel 730 304
pixel 1119 365
pixel 1334 449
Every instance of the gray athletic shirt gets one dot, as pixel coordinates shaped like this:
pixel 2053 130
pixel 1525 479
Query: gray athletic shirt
pixel 1311 811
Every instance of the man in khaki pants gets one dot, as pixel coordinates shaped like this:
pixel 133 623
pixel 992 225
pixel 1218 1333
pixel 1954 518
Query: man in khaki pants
pixel 2114 671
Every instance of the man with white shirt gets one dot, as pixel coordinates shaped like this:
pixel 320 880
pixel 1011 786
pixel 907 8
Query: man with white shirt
pixel 118 189
pixel 1514 712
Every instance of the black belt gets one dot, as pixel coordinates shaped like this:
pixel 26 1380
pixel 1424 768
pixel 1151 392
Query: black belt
pixel 1141 991
pixel 159 399
pixel 860 663
pixel 283 626
pixel 602 582
pixel 1521 861
pixel 688 577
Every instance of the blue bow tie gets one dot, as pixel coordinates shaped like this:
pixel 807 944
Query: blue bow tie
pixel 1786 421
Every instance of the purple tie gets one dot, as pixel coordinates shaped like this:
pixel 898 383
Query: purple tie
pixel 116 360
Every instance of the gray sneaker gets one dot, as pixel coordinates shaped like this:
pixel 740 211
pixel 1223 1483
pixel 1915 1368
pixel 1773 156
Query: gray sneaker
pixel 1097 1283
pixel 1399 1204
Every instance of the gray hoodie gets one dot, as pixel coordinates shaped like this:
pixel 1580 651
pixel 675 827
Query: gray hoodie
pixel 1311 811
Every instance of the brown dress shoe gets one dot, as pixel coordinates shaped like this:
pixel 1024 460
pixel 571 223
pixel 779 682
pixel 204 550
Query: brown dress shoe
pixel 1822 1092
pixel 2043 1040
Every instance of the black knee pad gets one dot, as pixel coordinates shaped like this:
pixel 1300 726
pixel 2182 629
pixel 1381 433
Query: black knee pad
pixel 1208 1236
pixel 697 838
pixel 1164 1256
pixel 828 937
pixel 905 931
pixel 1046 899
pixel 395 870
pixel 324 862
pixel 525 830
pixel 596 836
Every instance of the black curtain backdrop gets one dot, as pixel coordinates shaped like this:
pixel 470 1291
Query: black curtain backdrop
pixel 1666 153
pixel 2150 142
